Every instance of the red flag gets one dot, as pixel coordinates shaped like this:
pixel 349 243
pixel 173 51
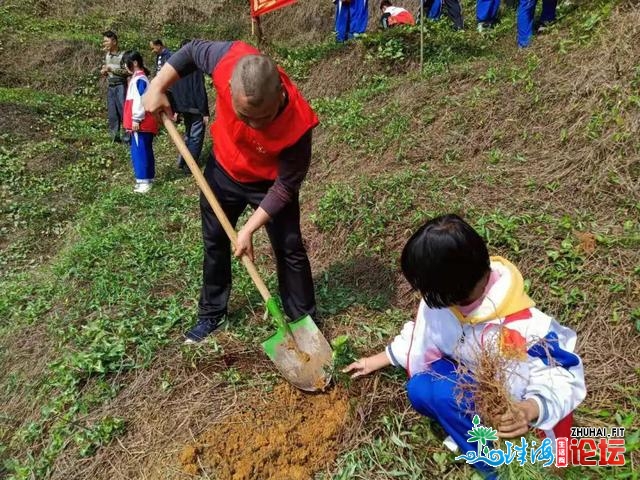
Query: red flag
pixel 260 7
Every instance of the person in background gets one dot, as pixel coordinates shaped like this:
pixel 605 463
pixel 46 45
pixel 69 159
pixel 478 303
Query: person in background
pixel 162 54
pixel 487 14
pixel 392 16
pixel 116 82
pixel 191 103
pixel 433 11
pixel 525 19
pixel 142 125
pixel 351 18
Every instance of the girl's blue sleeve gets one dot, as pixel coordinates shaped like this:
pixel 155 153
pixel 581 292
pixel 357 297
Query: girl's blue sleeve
pixel 141 85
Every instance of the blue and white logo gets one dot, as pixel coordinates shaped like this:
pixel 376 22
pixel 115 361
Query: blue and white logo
pixel 495 457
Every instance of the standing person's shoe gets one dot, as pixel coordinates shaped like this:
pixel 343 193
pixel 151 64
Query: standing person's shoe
pixel 542 27
pixel 142 187
pixel 201 330
pixel 485 26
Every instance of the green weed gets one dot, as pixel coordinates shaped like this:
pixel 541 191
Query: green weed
pixel 343 354
pixel 499 229
pixel 400 448
pixel 367 211
pixel 298 61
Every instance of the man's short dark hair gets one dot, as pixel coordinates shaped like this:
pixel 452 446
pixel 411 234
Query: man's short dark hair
pixel 385 3
pixel 258 78
pixel 157 42
pixel 444 260
pixel 110 34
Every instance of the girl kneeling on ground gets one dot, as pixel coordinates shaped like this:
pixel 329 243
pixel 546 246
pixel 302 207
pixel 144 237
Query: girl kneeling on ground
pixel 472 303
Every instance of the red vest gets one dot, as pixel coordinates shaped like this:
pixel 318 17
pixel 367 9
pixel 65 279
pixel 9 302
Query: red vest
pixel 149 123
pixel 247 154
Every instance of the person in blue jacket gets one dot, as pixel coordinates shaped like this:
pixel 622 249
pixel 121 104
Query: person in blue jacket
pixel 525 19
pixel 487 14
pixel 351 18
pixel 190 102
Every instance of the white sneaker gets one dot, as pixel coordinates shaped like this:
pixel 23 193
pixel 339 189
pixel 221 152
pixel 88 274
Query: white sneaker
pixel 142 187
pixel 451 444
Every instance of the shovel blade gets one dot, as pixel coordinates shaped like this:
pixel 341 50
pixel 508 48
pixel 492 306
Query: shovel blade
pixel 303 357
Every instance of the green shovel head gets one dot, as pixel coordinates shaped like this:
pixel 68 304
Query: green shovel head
pixel 303 357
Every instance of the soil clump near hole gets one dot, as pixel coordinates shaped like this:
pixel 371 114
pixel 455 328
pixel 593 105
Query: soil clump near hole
pixel 288 435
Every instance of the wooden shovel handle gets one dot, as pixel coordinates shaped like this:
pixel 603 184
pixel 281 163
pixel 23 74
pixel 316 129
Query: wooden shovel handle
pixel 213 201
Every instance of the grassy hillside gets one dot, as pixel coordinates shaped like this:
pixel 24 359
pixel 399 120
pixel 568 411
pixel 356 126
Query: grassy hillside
pixel 539 149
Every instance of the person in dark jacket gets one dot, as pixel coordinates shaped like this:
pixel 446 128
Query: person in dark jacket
pixel 191 103
pixel 162 54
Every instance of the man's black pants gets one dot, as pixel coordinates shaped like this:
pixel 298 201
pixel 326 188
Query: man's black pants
pixel 294 271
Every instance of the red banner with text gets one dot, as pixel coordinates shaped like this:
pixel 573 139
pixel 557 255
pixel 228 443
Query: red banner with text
pixel 260 7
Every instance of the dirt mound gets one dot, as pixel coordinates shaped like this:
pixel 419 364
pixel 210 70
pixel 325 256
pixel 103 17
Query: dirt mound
pixel 22 123
pixel 334 75
pixel 289 437
pixel 72 59
pixel 302 23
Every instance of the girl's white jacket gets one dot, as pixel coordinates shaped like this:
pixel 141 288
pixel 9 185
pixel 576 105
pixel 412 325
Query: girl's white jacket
pixel 540 354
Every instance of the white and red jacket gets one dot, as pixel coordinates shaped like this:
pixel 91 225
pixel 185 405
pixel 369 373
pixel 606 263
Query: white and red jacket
pixel 540 351
pixel 399 16
pixel 133 109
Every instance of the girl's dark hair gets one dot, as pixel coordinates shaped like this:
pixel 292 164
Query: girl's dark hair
pixel 131 56
pixel 444 260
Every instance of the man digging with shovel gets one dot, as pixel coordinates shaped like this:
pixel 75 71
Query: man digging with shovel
pixel 261 154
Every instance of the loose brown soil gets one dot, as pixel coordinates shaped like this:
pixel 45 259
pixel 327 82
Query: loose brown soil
pixel 288 437
pixel 165 439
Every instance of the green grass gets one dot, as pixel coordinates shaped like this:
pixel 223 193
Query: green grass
pixel 368 208
pixel 400 447
pixel 123 283
pixel 113 277
pixel 298 62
